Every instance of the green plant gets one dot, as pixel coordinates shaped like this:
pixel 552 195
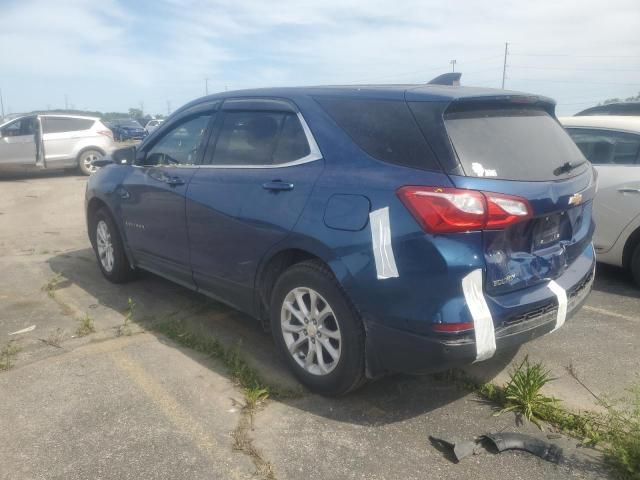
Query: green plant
pixel 86 326
pixel 522 392
pixel 255 396
pixel 52 285
pixel 622 437
pixel 125 328
pixel 8 354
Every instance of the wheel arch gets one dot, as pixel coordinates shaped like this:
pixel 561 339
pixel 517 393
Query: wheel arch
pixel 630 245
pixel 86 149
pixel 95 204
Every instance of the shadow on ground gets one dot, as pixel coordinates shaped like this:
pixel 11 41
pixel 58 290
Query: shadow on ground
pixel 616 280
pixel 388 400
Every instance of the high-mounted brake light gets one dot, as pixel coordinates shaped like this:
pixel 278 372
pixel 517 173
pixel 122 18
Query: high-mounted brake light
pixel 448 210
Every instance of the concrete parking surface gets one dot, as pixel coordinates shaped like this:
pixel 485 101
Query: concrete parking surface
pixel 139 406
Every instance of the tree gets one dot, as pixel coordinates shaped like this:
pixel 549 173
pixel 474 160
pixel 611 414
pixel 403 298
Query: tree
pixel 135 113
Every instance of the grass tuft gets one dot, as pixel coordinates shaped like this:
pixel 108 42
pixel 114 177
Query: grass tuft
pixel 125 328
pixel 52 285
pixel 8 354
pixel 86 326
pixel 522 394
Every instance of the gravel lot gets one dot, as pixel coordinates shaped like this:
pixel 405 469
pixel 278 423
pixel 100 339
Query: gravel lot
pixel 139 406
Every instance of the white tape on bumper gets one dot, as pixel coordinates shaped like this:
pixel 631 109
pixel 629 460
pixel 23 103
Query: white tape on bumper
pixel 561 295
pixel 482 321
pixel 381 239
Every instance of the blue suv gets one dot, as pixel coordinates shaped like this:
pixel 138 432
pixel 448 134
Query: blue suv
pixel 372 229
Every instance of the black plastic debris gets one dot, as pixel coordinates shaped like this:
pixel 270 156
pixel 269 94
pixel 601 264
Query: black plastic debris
pixel 499 442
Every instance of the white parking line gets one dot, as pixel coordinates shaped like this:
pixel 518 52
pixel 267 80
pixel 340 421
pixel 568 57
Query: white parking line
pixel 604 311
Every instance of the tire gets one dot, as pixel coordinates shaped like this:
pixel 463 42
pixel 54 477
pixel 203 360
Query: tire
pixel 635 264
pixel 338 336
pixel 114 266
pixel 84 161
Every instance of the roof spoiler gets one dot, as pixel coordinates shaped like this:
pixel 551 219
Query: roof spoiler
pixel 451 79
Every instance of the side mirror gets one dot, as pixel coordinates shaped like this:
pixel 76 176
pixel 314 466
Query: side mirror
pixel 124 156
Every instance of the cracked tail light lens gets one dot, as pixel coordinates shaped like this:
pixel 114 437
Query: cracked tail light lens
pixel 450 210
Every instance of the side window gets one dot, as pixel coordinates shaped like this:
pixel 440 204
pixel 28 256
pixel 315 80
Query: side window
pixel 603 147
pixel 63 124
pixel 20 127
pixel 254 138
pixel 180 145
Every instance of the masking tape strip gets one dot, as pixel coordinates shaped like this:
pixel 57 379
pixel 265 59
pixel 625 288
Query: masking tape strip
pixel 561 295
pixel 381 239
pixel 482 321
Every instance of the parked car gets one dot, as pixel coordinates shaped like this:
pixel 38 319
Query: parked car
pixel 372 229
pixel 612 145
pixel 54 141
pixel 615 108
pixel 127 129
pixel 153 125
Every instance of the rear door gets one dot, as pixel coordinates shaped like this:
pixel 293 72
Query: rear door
pixel 616 158
pixel 260 167
pixel 18 145
pixel 521 150
pixel 60 135
pixel 152 196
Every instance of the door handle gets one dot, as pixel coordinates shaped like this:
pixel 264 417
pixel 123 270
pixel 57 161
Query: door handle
pixel 174 181
pixel 277 186
pixel 629 190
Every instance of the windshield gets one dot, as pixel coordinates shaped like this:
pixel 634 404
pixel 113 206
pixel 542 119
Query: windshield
pixel 513 144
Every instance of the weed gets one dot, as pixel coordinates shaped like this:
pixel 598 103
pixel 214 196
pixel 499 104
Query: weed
pixel 8 354
pixel 622 437
pixel 255 396
pixel 86 326
pixel 55 339
pixel 522 392
pixel 125 328
pixel 52 285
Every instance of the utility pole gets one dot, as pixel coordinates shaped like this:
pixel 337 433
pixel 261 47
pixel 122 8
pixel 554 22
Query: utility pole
pixel 504 65
pixel 1 105
pixel 66 102
pixel 453 65
pixel 206 86
pixel 142 109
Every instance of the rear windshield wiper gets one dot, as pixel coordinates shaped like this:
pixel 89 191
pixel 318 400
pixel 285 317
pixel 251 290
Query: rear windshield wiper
pixel 567 167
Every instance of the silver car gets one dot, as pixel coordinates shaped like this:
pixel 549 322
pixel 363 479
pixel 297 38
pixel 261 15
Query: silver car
pixel 612 145
pixel 153 125
pixel 54 141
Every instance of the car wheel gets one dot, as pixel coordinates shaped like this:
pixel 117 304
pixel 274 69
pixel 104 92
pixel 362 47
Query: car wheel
pixel 317 329
pixel 635 264
pixel 84 161
pixel 109 249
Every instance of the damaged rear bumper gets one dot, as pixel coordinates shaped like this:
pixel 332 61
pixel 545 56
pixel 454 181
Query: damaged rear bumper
pixel 393 350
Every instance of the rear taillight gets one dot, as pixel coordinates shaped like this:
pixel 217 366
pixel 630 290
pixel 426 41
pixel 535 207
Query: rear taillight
pixel 448 210
pixel 106 133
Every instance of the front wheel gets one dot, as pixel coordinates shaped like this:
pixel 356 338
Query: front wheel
pixel 318 330
pixel 109 250
pixel 85 161
pixel 635 264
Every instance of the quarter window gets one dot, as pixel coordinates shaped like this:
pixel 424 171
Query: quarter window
pixel 180 145
pixel 62 124
pixel 254 138
pixel 603 147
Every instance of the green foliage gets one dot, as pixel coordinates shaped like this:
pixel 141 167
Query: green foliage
pixel 522 393
pixel 622 437
pixel 86 326
pixel 7 355
pixel 125 328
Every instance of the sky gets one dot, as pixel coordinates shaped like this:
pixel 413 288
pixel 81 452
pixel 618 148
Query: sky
pixel 110 55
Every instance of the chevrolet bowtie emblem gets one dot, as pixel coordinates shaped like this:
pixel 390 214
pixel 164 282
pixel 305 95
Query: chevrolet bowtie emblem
pixel 575 199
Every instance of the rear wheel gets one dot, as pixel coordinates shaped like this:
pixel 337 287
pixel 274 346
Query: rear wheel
pixel 317 329
pixel 85 161
pixel 109 250
pixel 635 264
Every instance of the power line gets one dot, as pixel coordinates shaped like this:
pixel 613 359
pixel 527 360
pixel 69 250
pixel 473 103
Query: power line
pixel 571 55
pixel 577 68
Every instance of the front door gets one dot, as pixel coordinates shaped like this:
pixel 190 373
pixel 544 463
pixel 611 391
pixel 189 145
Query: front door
pixel 616 156
pixel 258 173
pixel 19 141
pixel 152 198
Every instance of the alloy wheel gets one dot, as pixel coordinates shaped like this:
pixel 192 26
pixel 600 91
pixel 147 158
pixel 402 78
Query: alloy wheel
pixel 105 246
pixel 311 331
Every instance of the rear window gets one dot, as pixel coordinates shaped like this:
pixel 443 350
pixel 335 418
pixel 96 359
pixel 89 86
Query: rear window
pixel 385 129
pixel 62 124
pixel 513 144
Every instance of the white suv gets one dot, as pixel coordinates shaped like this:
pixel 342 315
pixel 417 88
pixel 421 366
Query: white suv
pixel 54 141
pixel 612 144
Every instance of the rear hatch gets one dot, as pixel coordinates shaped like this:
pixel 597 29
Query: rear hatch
pixel 520 149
